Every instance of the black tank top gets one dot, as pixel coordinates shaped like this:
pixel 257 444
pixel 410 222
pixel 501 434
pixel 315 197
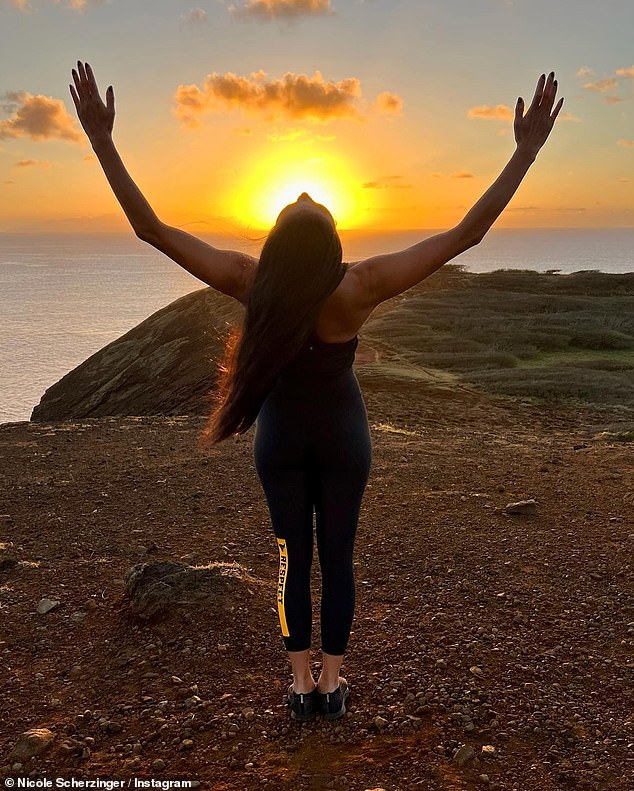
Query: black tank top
pixel 318 357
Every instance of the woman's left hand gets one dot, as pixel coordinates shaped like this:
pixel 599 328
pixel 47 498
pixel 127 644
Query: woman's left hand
pixel 533 127
pixel 96 117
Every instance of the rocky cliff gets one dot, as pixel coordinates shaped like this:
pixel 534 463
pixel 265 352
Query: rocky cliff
pixel 165 365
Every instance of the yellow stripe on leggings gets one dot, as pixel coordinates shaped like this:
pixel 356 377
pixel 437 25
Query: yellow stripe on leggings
pixel 281 585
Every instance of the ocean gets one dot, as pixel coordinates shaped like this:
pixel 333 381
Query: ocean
pixel 66 296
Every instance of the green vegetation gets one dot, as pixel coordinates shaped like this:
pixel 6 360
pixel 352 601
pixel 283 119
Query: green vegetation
pixel 519 333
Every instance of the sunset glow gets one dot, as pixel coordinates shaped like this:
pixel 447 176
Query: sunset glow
pixel 278 179
pixel 394 115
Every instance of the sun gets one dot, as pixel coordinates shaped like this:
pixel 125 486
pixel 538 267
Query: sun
pixel 276 180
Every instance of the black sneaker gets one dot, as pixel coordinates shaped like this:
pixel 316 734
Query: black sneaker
pixel 303 705
pixel 333 704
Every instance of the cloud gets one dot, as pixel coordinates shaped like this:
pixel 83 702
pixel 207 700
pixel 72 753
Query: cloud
pixel 294 96
pixel 38 117
pixel 503 113
pixel 613 99
pixel 602 86
pixel 29 163
pixel 500 112
pixel 7 182
pixel 387 103
pixel 626 143
pixel 193 18
pixel 626 72
pixel 551 209
pixel 461 174
pixel 584 72
pixel 386 182
pixel 73 5
pixel 269 10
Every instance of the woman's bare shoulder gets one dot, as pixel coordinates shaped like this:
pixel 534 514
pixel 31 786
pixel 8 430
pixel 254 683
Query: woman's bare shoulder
pixel 346 310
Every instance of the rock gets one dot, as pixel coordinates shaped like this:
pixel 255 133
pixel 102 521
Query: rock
pixel 380 722
pixel 152 589
pixel 463 754
pixel 186 744
pixel 31 743
pixel 132 763
pixel 46 605
pixel 174 348
pixel 158 765
pixel 521 507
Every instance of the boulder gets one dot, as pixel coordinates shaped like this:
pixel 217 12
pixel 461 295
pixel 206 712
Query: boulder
pixel 32 743
pixel 153 590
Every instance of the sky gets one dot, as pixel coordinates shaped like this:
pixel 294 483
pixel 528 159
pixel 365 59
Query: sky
pixel 396 114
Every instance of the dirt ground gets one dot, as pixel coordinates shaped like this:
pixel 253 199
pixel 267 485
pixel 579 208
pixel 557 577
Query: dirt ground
pixel 472 627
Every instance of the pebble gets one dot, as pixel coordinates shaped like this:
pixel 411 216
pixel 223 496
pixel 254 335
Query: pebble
pixel 46 605
pixel 463 754
pixel 521 507
pixel 380 722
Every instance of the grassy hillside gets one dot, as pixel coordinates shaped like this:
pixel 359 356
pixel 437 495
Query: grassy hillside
pixel 520 333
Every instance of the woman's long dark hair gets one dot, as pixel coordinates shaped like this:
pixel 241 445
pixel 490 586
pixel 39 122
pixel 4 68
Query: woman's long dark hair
pixel 300 266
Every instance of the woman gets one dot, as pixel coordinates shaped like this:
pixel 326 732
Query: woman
pixel 289 370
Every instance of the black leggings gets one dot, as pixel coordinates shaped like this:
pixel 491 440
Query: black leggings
pixel 313 452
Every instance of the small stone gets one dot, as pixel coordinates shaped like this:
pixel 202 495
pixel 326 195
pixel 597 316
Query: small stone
pixel 380 722
pixel 46 605
pixel 521 507
pixel 477 671
pixel 463 754
pixel 488 750
pixel 186 744
pixel 248 714
pixel 158 765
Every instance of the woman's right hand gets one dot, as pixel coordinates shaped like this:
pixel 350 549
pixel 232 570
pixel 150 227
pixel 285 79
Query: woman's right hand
pixel 96 117
pixel 533 128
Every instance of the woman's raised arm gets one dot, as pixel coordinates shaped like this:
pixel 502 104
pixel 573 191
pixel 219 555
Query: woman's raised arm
pixel 227 271
pixel 384 276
